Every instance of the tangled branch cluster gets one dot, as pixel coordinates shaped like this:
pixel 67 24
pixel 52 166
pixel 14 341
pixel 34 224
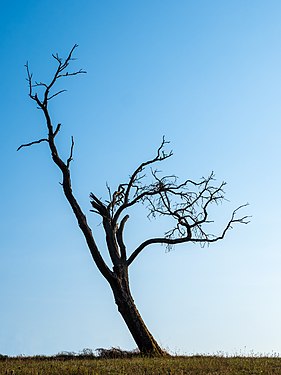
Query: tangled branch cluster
pixel 187 203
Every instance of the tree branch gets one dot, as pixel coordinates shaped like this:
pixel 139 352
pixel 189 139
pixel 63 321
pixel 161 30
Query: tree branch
pixel 136 178
pixel 175 241
pixel 119 236
pixel 64 166
pixel 98 205
pixel 32 143
pixel 57 93
pixel 59 73
pixel 57 130
pixel 71 153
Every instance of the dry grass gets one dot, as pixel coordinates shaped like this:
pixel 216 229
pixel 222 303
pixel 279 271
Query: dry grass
pixel 194 365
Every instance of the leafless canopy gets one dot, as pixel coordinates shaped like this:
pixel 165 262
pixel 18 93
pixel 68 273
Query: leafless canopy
pixel 42 103
pixel 187 202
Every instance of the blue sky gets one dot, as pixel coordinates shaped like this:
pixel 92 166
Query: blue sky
pixel 207 75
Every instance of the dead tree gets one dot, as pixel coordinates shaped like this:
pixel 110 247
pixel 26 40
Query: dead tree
pixel 186 202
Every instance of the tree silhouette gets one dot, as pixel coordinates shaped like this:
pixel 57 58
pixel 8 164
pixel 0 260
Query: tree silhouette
pixel 186 203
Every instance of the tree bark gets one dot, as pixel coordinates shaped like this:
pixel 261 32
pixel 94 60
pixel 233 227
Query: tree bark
pixel 129 312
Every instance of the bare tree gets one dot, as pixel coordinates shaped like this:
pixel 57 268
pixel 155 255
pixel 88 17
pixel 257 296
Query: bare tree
pixel 186 203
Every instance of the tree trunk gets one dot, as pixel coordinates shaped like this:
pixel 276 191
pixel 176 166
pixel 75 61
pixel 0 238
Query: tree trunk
pixel 127 308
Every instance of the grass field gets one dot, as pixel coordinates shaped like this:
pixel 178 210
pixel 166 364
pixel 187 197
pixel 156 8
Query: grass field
pixel 196 365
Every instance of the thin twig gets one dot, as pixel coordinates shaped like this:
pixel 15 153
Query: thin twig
pixel 71 153
pixel 32 143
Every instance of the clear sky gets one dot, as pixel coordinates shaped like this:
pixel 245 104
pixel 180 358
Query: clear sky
pixel 207 74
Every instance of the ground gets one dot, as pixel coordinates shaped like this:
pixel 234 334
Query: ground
pixel 194 365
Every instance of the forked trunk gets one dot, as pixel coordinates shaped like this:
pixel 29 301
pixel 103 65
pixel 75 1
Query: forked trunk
pixel 127 308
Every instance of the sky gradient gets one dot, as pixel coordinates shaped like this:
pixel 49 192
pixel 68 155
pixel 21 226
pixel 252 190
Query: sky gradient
pixel 207 75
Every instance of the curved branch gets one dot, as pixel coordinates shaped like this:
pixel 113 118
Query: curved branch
pixel 57 93
pixel 159 240
pixel 175 241
pixel 32 143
